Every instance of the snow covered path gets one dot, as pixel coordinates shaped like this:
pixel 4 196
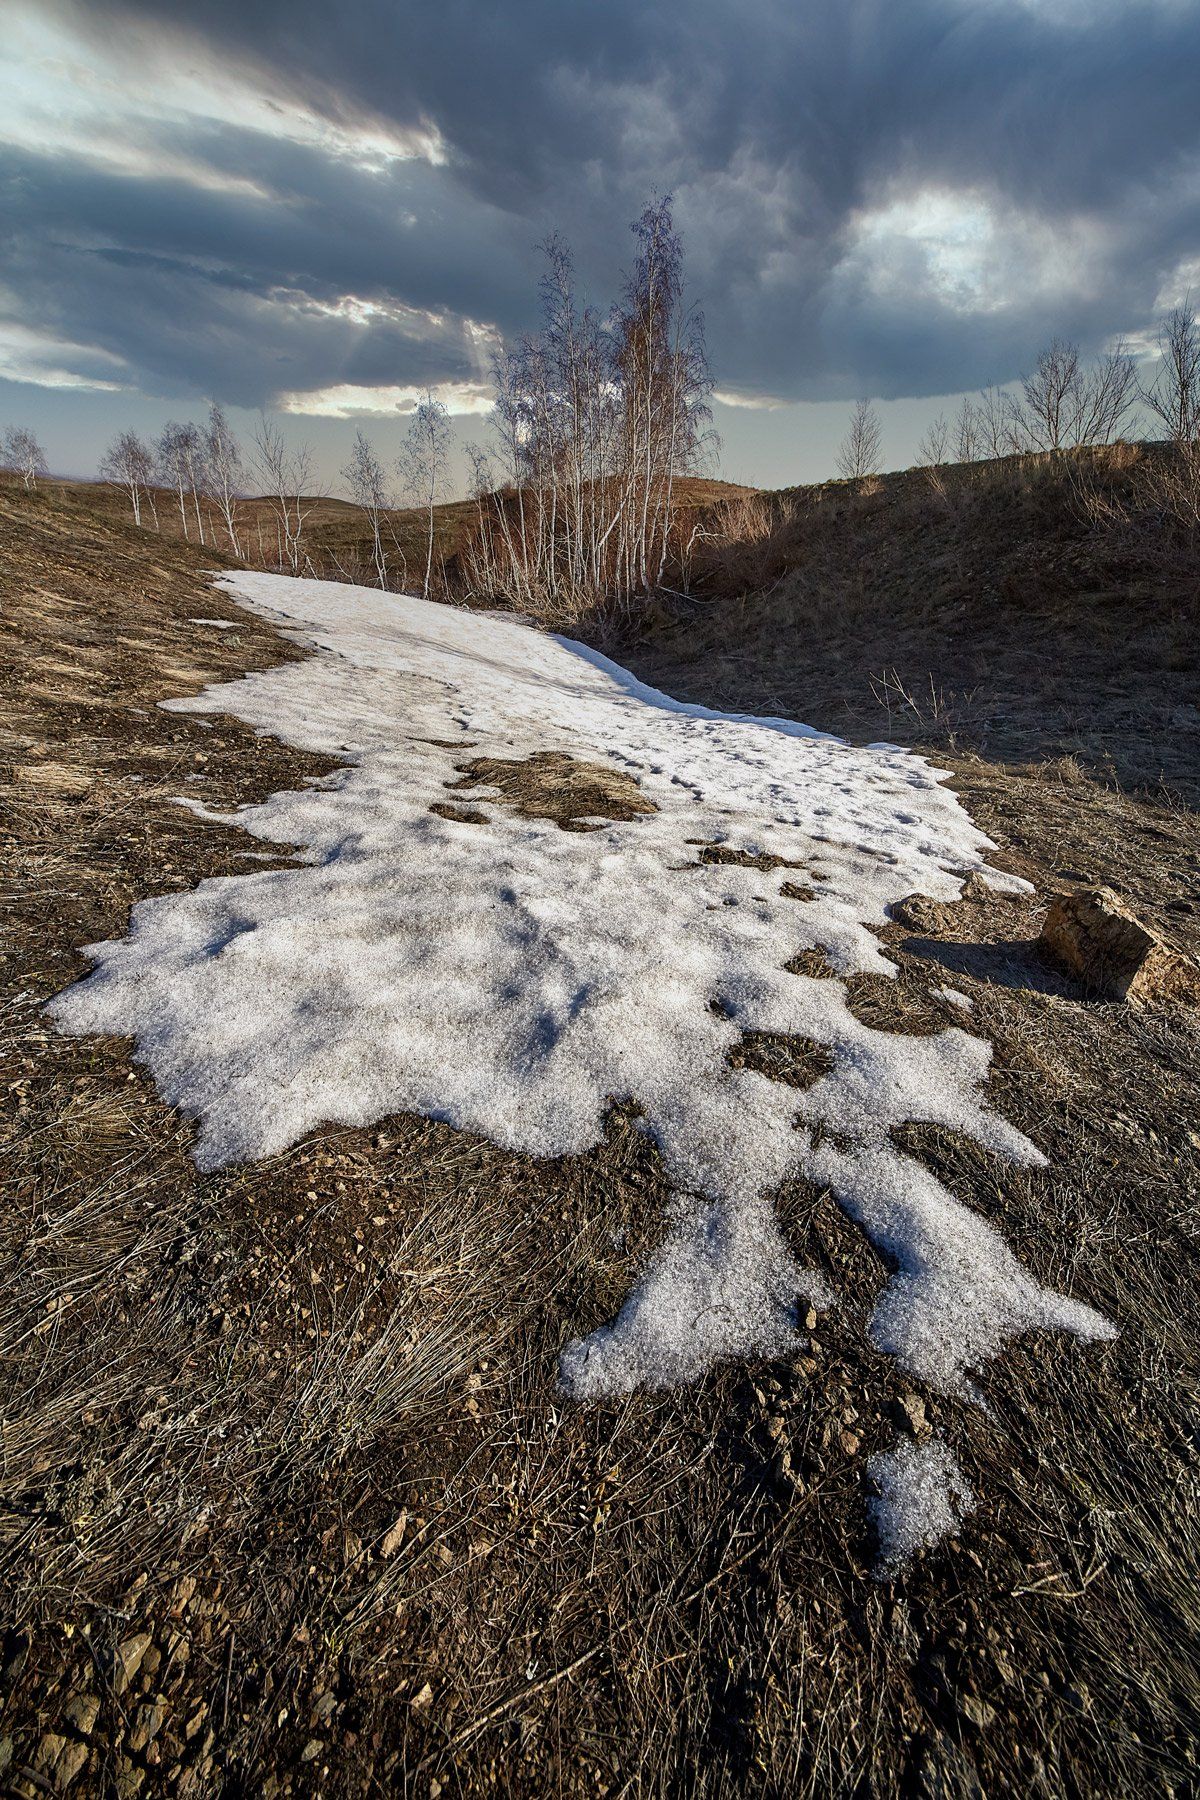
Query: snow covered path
pixel 515 978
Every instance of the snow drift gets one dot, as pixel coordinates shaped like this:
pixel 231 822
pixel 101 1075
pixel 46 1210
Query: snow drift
pixel 517 979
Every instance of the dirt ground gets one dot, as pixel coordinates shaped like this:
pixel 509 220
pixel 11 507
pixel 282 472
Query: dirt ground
pixel 291 1502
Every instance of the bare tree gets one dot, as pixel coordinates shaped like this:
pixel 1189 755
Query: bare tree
pixel 663 372
pixel 931 451
pixel 423 464
pixel 1053 399
pixel 596 419
pixel 966 432
pixel 364 476
pixel 1108 394
pixel 130 464
pixel 998 420
pixel 1174 395
pixel 1069 403
pixel 224 470
pixel 287 477
pixel 24 455
pixel 173 463
pixel 858 453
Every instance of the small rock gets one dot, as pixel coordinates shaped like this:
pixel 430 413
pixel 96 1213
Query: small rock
pixel 71 1761
pixel 128 1659
pixel 48 1752
pixel 130 1779
pixel 148 1725
pixel 312 1749
pixel 911 1413
pixel 82 1711
pixel 977 1711
pixel 185 1587
pixel 1095 936
pixel 393 1539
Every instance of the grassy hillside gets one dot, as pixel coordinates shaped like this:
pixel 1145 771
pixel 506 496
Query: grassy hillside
pixel 1029 611
pixel 338 542
pixel 292 1502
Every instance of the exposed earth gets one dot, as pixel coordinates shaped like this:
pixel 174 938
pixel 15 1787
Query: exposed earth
pixel 292 1500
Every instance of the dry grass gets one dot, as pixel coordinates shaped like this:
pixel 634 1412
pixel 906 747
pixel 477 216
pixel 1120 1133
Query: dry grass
pixel 1004 619
pixel 291 1501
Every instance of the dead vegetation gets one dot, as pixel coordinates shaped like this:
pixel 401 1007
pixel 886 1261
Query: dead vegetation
pixel 577 795
pixel 291 1501
pixel 1006 618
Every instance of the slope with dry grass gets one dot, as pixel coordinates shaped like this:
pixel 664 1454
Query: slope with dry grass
pixel 337 544
pixel 291 1500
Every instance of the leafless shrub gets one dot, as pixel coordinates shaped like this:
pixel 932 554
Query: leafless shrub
pixel 931 455
pixel 936 712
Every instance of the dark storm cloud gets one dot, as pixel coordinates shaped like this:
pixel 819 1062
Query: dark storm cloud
pixel 1068 135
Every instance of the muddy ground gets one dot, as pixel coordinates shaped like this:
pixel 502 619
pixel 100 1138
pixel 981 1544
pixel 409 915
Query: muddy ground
pixel 291 1503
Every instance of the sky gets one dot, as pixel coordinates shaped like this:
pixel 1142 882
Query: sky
pixel 325 209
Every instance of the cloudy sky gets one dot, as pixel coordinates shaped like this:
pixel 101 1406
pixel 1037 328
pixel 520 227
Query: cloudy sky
pixel 323 208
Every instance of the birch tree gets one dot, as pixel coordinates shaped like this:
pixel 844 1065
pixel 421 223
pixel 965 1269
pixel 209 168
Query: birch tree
pixel 424 463
pixel 172 464
pixel 596 418
pixel 368 484
pixel 224 469
pixel 129 463
pixel 24 455
pixel 858 454
pixel 287 477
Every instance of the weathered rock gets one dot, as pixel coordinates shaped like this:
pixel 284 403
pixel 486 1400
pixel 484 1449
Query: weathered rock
pixel 910 1413
pixel 128 1660
pixel 82 1710
pixel 71 1760
pixel 1095 936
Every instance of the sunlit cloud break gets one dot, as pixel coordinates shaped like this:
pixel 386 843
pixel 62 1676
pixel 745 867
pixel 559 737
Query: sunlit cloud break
pixel 346 401
pixel 40 360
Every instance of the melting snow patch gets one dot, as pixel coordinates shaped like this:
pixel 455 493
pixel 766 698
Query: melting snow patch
pixel 954 997
pixel 923 1497
pixel 217 624
pixel 516 979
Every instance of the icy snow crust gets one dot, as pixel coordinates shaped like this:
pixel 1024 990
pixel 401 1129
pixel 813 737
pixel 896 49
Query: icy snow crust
pixel 923 1497
pixel 516 979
